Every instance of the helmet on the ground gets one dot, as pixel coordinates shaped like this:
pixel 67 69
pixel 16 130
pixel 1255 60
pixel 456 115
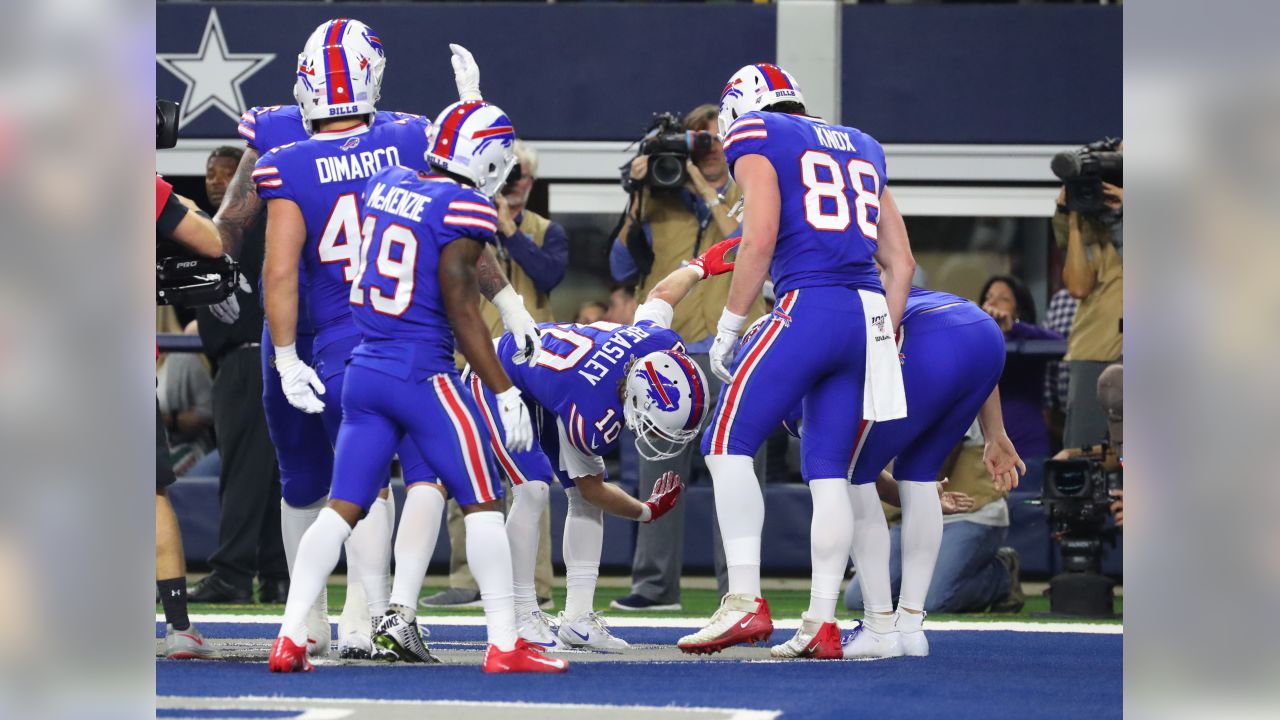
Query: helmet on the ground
pixel 339 72
pixel 475 140
pixel 664 402
pixel 754 87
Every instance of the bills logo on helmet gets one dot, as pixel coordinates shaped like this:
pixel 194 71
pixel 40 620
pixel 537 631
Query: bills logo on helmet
pixel 662 390
pixel 731 89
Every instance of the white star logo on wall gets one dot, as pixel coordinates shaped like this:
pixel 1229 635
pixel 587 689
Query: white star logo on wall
pixel 212 74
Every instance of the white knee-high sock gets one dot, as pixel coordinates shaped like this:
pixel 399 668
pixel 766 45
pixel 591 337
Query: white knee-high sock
pixel 415 543
pixel 921 539
pixel 740 513
pixel 490 559
pixel 317 555
pixel 871 555
pixel 830 535
pixel 529 500
pixel 583 541
pixel 294 522
pixel 369 559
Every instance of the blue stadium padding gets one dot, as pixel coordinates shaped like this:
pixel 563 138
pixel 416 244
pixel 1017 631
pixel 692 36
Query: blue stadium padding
pixel 967 676
pixel 1020 73
pixel 919 73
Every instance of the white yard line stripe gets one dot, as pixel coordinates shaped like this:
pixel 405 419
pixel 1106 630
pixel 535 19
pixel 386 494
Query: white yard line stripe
pixel 293 701
pixel 618 620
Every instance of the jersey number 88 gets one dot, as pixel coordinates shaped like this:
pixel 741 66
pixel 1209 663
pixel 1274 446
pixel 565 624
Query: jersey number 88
pixel 817 188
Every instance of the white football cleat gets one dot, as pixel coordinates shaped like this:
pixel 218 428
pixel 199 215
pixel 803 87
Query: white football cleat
pixel 740 619
pixel 909 626
pixel 589 632
pixel 398 639
pixel 867 644
pixel 536 628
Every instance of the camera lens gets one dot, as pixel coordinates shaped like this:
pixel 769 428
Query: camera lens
pixel 665 170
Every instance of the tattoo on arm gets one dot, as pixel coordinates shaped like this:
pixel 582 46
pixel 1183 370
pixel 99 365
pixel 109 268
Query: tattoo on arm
pixel 240 206
pixel 489 274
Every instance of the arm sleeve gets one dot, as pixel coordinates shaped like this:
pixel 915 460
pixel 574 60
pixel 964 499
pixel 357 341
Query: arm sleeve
pixel 574 461
pixel 545 265
pixel 622 266
pixel 656 311
pixel 170 215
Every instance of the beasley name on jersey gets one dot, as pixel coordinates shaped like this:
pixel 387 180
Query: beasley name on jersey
pixel 396 301
pixel 325 176
pixel 267 128
pixel 830 179
pixel 578 372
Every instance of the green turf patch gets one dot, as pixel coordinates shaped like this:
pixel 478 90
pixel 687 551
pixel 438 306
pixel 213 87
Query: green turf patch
pixel 695 602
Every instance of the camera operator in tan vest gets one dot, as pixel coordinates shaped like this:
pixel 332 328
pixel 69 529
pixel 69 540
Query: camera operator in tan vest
pixel 662 231
pixel 534 253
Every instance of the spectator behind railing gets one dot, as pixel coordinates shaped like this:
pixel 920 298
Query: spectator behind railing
pixel 1006 299
pixel 184 390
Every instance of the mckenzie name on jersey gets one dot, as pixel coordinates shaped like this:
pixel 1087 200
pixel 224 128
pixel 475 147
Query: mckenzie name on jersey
pixel 578 373
pixel 326 176
pixel 830 179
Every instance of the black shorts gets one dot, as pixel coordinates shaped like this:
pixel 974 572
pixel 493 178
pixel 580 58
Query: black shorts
pixel 164 468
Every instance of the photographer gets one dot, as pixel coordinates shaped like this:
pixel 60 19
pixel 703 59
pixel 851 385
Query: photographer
pixel 1088 224
pixel 177 221
pixel 681 194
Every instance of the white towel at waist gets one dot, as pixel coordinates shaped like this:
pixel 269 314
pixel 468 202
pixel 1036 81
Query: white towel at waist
pixel 883 397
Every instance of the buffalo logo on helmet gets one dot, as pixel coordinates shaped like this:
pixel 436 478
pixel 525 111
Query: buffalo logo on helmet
pixel 731 90
pixel 663 391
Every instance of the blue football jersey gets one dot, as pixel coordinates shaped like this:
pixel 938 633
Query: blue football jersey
pixel 267 128
pixel 578 374
pixel 396 302
pixel 830 179
pixel 326 176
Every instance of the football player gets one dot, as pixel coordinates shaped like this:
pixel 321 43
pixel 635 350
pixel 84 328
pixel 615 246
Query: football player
pixel 304 451
pixel 589 382
pixel 415 292
pixel 952 357
pixel 817 219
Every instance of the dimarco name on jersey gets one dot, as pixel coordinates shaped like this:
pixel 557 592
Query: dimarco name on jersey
pixel 340 168
pixel 397 201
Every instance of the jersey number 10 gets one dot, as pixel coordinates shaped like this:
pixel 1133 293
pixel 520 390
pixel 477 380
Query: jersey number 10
pixel 834 187
pixel 400 270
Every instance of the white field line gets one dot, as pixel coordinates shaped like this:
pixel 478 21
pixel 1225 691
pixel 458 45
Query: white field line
pixel 294 702
pixel 623 621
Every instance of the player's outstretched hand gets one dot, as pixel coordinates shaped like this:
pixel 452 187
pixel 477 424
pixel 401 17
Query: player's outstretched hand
pixel 302 387
pixel 726 342
pixel 1003 463
pixel 228 311
pixel 515 420
pixel 666 493
pixel 712 262
pixel 953 502
pixel 517 320
pixel 466 74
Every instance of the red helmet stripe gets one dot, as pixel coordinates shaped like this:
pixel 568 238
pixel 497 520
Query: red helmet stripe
pixel 774 76
pixel 337 76
pixel 447 140
pixel 656 382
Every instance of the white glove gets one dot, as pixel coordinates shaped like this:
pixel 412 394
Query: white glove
pixel 515 420
pixel 727 331
pixel 517 320
pixel 228 311
pixel 466 74
pixel 302 387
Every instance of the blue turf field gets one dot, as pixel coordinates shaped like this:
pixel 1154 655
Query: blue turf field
pixel 969 674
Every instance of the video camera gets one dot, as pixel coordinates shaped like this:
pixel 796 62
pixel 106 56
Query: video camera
pixel 1085 169
pixel 166 124
pixel 669 146
pixel 1077 497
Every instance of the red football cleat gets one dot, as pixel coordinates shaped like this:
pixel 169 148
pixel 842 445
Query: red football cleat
pixel 524 657
pixel 814 639
pixel 740 619
pixel 287 656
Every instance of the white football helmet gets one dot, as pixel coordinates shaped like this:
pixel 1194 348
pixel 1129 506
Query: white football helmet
pixel 755 87
pixel 664 401
pixel 475 140
pixel 339 71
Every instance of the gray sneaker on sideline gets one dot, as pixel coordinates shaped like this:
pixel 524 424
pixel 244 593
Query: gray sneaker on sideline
pixel 452 597
pixel 187 644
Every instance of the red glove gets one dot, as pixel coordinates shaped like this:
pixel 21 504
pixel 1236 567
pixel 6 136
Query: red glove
pixel 712 261
pixel 666 491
